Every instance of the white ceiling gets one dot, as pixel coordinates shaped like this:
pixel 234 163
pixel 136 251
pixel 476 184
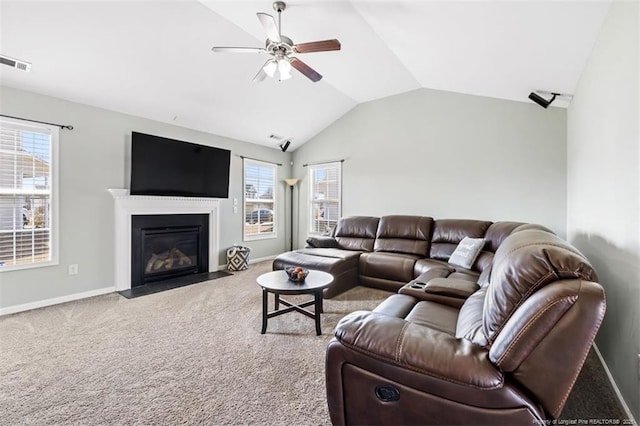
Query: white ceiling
pixel 153 59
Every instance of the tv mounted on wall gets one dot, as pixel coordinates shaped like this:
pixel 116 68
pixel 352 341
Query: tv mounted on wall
pixel 168 167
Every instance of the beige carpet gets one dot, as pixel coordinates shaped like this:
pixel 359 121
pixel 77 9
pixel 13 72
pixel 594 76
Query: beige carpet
pixel 190 355
pixel 193 355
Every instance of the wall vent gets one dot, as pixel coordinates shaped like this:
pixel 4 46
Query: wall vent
pixel 15 63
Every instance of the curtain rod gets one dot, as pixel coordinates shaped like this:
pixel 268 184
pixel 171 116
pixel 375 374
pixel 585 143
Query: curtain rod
pixel 257 159
pixel 323 162
pixel 62 126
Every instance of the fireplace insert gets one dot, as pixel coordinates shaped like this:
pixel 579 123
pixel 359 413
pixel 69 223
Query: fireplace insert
pixel 168 246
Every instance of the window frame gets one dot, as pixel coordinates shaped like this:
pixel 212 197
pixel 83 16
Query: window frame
pixel 263 235
pixel 312 200
pixel 54 131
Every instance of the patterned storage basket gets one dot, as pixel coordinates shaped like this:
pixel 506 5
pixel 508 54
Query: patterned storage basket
pixel 238 258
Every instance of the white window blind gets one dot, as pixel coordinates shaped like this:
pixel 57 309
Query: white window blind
pixel 259 199
pixel 325 197
pixel 27 155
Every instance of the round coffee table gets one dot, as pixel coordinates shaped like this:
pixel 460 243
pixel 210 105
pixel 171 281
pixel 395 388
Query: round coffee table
pixel 278 282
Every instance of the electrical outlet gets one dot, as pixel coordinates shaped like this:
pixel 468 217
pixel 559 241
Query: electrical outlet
pixel 73 269
pixel 235 209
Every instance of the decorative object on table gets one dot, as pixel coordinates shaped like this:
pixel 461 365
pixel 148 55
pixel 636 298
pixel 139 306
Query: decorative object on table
pixel 291 182
pixel 297 273
pixel 238 258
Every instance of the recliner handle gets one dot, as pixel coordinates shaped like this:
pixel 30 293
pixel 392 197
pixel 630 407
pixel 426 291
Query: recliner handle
pixel 387 393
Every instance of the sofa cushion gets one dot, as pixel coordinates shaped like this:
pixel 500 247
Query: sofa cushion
pixel 390 266
pixel 447 234
pixel 396 305
pixel 434 315
pixel 469 325
pixel 498 232
pixel 356 232
pixel 426 265
pixel 525 262
pixel 420 349
pixel 404 234
pixel 466 253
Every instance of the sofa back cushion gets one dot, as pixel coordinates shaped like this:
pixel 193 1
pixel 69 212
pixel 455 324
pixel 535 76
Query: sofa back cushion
pixel 495 235
pixel 525 262
pixel 404 234
pixel 447 234
pixel 356 232
pixel 469 325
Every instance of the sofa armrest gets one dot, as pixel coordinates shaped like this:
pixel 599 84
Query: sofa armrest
pixel 448 291
pixel 419 348
pixel 322 241
pixel 451 287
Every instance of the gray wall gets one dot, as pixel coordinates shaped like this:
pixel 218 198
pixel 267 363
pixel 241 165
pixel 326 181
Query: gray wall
pixel 94 157
pixel 603 188
pixel 446 155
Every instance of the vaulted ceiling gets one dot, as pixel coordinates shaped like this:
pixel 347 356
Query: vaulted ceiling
pixel 153 58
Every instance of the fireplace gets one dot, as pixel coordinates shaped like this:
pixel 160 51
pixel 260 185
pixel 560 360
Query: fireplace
pixel 126 207
pixel 168 246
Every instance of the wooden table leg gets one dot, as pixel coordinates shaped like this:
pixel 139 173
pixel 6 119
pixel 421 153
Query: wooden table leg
pixel 264 311
pixel 318 310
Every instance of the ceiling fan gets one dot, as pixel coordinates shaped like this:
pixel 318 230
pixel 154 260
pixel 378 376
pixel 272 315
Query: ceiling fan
pixel 280 47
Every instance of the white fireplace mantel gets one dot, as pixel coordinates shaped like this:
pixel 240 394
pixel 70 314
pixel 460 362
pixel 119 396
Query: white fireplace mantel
pixel 128 205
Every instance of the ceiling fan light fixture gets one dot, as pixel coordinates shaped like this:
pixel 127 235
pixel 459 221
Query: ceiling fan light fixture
pixel 284 67
pixel 280 47
pixel 270 68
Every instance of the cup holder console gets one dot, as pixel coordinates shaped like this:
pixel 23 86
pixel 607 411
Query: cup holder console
pixel 418 285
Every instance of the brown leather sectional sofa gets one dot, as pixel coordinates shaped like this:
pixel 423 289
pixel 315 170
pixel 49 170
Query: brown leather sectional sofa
pixel 499 343
pixel 389 252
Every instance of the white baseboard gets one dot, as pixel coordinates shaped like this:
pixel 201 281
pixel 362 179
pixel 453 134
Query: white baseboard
pixel 615 387
pixel 77 296
pixel 251 261
pixel 261 259
pixel 56 300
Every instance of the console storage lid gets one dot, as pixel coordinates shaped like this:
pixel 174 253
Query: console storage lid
pixel 448 291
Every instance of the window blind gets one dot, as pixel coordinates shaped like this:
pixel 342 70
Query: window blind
pixel 259 199
pixel 26 153
pixel 325 197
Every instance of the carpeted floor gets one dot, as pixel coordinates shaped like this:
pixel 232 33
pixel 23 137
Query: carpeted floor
pixel 193 355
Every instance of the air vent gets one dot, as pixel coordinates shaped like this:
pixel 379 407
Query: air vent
pixel 15 63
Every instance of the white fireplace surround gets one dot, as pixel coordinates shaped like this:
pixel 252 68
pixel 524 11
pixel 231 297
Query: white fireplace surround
pixel 128 205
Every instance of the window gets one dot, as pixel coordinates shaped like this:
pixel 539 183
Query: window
pixel 28 179
pixel 325 197
pixel 259 200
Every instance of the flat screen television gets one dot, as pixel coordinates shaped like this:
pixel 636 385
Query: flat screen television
pixel 168 167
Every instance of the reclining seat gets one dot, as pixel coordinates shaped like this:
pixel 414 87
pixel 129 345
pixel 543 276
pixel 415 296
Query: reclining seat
pixel 400 242
pixel 458 283
pixel 336 254
pixel 510 355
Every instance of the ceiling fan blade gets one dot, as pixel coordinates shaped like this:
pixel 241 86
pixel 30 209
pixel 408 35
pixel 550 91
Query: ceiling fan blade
pixel 260 76
pixel 269 25
pixel 219 49
pixel 317 46
pixel 305 69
